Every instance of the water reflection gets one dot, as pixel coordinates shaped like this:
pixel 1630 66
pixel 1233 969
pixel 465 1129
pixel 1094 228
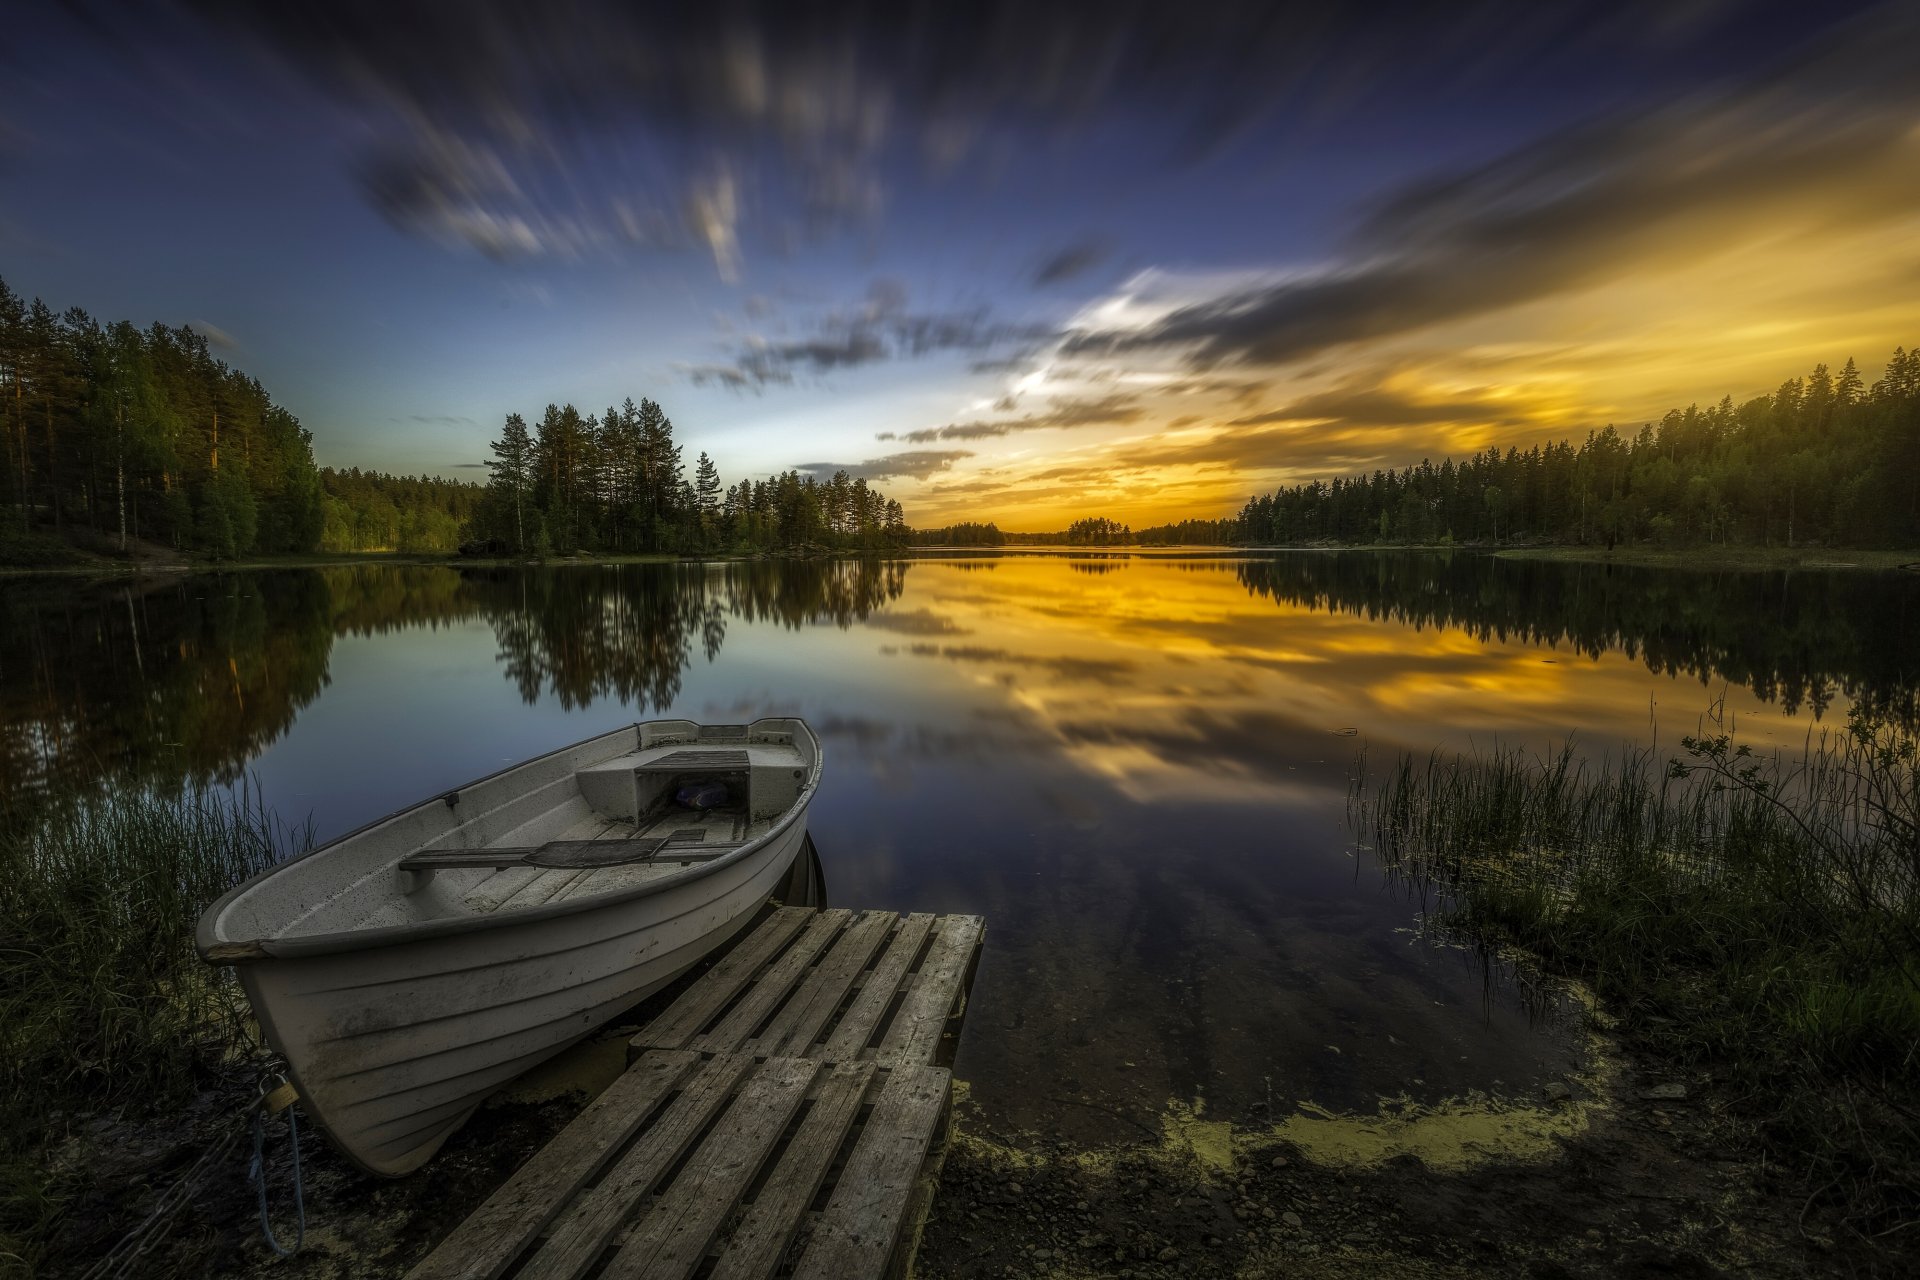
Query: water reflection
pixel 1138 774
pixel 1792 637
pixel 185 680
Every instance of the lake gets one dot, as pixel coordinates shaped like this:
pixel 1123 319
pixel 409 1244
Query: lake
pixel 1137 767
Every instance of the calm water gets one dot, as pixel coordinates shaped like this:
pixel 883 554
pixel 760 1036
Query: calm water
pixel 1136 768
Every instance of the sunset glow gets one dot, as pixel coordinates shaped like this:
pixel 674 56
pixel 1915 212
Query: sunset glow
pixel 1018 296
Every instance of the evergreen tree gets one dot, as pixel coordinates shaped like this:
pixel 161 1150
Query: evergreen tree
pixel 706 486
pixel 512 467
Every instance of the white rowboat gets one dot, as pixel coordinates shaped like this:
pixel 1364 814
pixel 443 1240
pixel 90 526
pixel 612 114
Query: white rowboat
pixel 411 968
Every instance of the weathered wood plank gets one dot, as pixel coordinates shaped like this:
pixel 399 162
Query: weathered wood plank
pixel 849 1039
pixel 915 1032
pixel 672 1238
pixel 772 986
pixel 709 994
pixel 583 1232
pixel 757 1244
pixel 486 1244
pixel 795 1027
pixel 856 1234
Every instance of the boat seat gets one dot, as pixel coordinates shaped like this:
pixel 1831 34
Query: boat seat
pixel 699 761
pixel 572 855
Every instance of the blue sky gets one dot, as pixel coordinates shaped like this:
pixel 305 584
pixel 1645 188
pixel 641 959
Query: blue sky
pixel 1017 262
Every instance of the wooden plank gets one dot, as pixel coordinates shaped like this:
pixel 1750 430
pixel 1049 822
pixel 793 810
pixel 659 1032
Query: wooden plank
pixel 772 986
pixel 926 1187
pixel 709 994
pixel 487 1243
pixel 915 1032
pixel 589 1224
pixel 850 1038
pixel 856 1234
pixel 567 854
pixel 796 1026
pixel 672 1239
pixel 758 1243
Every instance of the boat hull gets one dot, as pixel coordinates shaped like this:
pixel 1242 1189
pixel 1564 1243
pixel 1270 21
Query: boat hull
pixel 392 1047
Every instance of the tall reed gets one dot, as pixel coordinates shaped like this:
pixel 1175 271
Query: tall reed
pixel 102 996
pixel 1756 916
pixel 104 1003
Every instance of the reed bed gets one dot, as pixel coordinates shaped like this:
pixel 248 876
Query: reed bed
pixel 102 996
pixel 104 1003
pixel 1754 917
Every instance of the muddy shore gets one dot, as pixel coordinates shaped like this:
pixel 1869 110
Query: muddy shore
pixel 1656 1178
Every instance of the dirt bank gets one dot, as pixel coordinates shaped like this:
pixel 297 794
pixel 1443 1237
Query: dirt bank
pixel 1623 1170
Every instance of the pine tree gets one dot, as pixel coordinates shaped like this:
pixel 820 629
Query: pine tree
pixel 706 486
pixel 1847 389
pixel 512 466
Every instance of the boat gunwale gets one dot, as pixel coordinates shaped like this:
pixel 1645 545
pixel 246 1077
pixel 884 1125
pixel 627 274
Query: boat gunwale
pixel 218 950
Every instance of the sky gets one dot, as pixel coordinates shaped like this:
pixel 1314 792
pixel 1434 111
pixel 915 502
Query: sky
pixel 1022 262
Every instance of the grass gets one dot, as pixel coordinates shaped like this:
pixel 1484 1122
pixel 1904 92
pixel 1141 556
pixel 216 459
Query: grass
pixel 1754 919
pixel 104 1003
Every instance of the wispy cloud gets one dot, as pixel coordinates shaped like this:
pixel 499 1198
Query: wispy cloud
pixel 914 464
pixel 1364 400
pixel 1826 145
pixel 1109 410
pixel 1070 263
pixel 216 336
pixel 597 125
pixel 882 327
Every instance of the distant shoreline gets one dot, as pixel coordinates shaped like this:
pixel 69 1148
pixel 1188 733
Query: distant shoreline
pixel 1714 558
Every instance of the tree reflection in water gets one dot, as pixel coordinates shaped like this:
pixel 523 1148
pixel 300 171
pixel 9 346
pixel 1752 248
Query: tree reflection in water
pixel 1793 637
pixel 183 680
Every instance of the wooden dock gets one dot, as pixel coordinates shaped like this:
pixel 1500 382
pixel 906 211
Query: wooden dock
pixel 786 1115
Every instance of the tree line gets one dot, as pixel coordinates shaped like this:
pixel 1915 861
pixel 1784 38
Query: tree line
pixel 373 511
pixel 616 482
pixel 114 434
pixel 967 533
pixel 1823 460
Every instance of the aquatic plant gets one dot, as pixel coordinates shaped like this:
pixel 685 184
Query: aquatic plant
pixel 102 995
pixel 1753 916
pixel 103 1000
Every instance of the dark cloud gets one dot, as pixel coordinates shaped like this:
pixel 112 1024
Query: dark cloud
pixel 1277 447
pixel 1825 144
pixel 730 376
pixel 881 328
pixel 1068 263
pixel 914 464
pixel 1109 410
pixel 1002 364
pixel 1361 402
pixel 438 419
pixel 582 125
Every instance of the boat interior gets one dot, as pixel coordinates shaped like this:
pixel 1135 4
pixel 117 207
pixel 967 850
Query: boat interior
pixel 639 816
pixel 634 806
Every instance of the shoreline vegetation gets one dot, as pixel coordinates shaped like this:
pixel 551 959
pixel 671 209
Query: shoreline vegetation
pixel 129 450
pixel 106 1009
pixel 76 563
pixel 1752 920
pixel 1749 925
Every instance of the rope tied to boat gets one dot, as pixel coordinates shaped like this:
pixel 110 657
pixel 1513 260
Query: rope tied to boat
pixel 128 1258
pixel 275 1098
